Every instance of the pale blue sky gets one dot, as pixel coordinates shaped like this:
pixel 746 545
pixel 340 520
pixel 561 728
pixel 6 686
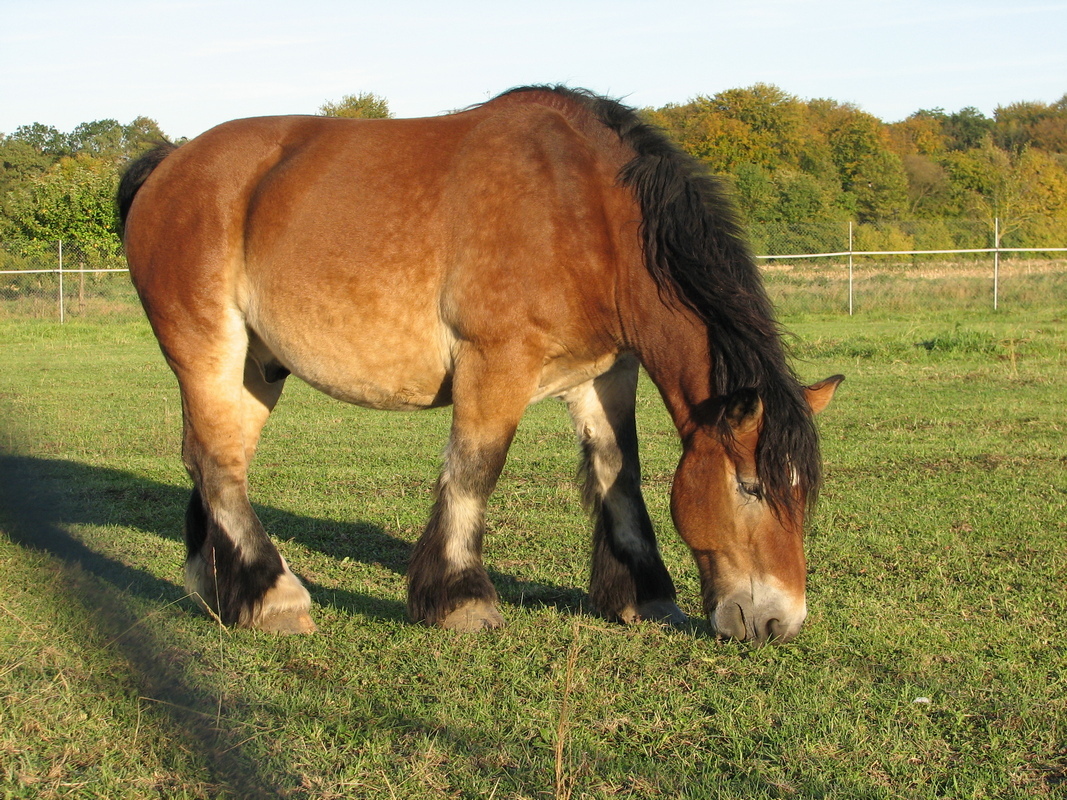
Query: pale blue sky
pixel 190 64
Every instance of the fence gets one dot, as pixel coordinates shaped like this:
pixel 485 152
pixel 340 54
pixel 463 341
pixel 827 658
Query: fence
pixel 837 268
pixel 928 265
pixel 63 280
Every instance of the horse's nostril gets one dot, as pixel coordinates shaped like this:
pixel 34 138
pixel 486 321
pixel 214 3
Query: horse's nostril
pixel 778 631
pixel 771 630
pixel 729 621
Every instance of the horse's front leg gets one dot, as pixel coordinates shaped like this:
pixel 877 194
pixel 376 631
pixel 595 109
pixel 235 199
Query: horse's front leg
pixel 447 583
pixel 629 581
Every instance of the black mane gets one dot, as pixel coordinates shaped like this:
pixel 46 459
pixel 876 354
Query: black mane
pixel 696 252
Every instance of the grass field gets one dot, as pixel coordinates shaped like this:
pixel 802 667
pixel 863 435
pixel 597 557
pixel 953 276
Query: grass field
pixel 933 665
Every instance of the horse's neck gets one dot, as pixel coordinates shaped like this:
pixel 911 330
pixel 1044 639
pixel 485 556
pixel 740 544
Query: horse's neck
pixel 672 344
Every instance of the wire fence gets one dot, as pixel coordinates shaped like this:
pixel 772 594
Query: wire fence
pixel 834 268
pixel 909 266
pixel 64 281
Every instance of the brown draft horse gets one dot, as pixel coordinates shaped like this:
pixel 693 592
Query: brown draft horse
pixel 544 244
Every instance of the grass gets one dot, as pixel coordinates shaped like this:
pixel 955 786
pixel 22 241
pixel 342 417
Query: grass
pixel 933 663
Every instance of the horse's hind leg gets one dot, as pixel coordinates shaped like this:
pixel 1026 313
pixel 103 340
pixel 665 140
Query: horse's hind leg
pixel 629 581
pixel 231 563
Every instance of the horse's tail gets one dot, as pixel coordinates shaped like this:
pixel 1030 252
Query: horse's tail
pixel 137 173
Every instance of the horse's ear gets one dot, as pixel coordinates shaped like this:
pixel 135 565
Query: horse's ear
pixel 745 412
pixel 820 394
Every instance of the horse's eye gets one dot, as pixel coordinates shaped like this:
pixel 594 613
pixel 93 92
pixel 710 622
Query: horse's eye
pixel 751 489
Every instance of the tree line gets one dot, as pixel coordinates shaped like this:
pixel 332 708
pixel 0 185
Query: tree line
pixel 793 162
pixel 790 162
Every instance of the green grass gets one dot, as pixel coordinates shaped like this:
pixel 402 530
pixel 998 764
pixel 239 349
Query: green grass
pixel 938 569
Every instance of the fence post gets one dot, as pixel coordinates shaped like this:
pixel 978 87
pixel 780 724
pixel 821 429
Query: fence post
pixel 996 262
pixel 61 281
pixel 850 268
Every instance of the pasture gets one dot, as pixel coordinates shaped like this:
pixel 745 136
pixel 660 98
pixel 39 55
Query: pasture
pixel 933 663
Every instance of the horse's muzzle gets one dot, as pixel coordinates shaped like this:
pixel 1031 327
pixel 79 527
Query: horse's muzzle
pixel 762 615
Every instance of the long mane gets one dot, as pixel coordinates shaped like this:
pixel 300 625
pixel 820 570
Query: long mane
pixel 696 252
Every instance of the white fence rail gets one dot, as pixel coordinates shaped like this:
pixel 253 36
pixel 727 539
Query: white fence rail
pixel 62 280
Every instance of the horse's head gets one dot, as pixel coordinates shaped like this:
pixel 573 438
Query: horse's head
pixel 750 551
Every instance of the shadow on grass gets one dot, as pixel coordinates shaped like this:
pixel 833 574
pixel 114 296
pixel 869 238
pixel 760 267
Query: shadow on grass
pixel 57 493
pixel 36 504
pixel 40 498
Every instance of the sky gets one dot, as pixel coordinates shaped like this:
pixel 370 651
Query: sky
pixel 190 64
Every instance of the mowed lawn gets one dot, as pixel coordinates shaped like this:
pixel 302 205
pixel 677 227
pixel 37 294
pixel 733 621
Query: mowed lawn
pixel 933 664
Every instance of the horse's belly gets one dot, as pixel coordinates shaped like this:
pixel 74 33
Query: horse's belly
pixel 366 387
pixel 362 362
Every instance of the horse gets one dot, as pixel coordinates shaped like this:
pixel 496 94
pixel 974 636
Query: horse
pixel 547 243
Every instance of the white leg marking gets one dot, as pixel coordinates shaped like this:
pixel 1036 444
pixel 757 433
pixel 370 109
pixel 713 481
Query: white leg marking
pixel 198 583
pixel 463 515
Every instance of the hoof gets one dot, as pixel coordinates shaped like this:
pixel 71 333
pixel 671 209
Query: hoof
pixel 287 622
pixel 662 611
pixel 285 607
pixel 473 616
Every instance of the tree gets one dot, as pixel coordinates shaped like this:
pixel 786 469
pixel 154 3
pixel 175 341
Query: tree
pixel 802 199
pixel 365 105
pixel 55 185
pixel 101 139
pixel 774 120
pixel 919 134
pixel 111 141
pixel 966 129
pixel 140 136
pixel 1019 189
pixel 43 138
pixel 73 199
pixel 929 188
pixel 867 168
pixel 1021 125
pixel 721 142
pixel 757 195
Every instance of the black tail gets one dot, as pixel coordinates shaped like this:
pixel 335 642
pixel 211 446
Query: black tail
pixel 137 173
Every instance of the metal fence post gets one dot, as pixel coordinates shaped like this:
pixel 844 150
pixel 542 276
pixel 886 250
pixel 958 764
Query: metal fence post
pixel 850 268
pixel 61 281
pixel 996 262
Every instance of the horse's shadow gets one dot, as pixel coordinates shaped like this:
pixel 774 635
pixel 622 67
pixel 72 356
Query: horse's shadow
pixel 45 496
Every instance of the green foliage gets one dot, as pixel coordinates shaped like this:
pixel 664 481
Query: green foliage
pixel 72 200
pixel 365 105
pixel 62 186
pixel 967 128
pixel 792 162
pixel 1029 124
